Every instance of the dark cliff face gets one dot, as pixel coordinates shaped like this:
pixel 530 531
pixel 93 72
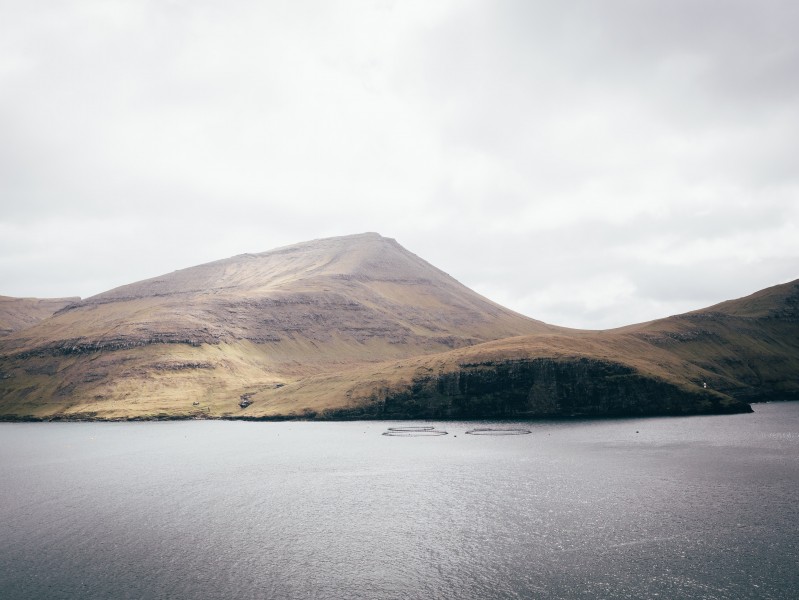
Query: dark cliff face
pixel 541 387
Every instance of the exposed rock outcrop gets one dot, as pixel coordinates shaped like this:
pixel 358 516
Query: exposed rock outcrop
pixel 541 387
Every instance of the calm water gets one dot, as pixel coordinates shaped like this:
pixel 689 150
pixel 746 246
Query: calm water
pixel 702 507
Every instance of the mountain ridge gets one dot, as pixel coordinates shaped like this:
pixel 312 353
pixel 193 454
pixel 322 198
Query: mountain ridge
pixel 359 327
pixel 21 313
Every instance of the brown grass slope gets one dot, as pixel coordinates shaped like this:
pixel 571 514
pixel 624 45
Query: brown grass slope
pixel 743 350
pixel 212 333
pixel 20 313
pixel 746 348
pixel 358 327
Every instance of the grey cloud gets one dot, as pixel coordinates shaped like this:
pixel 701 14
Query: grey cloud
pixel 520 146
pixel 589 252
pixel 502 70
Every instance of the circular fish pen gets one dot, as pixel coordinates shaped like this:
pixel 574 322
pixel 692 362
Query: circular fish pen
pixel 414 431
pixel 413 428
pixel 498 431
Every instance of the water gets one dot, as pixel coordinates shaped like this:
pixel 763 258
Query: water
pixel 701 507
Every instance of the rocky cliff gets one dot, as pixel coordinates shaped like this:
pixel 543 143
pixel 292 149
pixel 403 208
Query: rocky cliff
pixel 539 388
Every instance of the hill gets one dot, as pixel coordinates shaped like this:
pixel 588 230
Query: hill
pixel 217 331
pixel 714 360
pixel 358 327
pixel 20 313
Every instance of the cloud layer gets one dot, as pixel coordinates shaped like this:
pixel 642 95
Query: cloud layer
pixel 588 164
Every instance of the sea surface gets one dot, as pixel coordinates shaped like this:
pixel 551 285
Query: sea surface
pixel 699 507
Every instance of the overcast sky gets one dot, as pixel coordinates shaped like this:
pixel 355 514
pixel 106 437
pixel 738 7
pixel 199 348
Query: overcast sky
pixel 591 164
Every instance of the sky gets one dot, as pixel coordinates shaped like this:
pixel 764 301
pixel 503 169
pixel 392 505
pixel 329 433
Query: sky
pixel 590 164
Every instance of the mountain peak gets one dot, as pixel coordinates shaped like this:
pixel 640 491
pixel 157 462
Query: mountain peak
pixel 362 296
pixel 366 256
pixel 351 240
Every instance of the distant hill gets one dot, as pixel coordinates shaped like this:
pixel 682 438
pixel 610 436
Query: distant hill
pixel 20 313
pixel 747 348
pixel 358 327
pixel 713 360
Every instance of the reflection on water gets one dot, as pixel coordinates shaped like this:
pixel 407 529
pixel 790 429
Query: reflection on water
pixel 700 507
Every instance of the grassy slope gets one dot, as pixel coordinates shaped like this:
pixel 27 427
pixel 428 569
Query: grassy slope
pixel 747 347
pixel 346 326
pixel 739 353
pixel 21 313
pixel 744 350
pixel 211 333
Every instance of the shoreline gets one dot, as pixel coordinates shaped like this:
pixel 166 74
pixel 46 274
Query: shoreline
pixel 366 418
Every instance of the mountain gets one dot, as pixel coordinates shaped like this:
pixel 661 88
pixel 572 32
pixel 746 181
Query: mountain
pixel 708 361
pixel 358 327
pixel 214 332
pixel 19 313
